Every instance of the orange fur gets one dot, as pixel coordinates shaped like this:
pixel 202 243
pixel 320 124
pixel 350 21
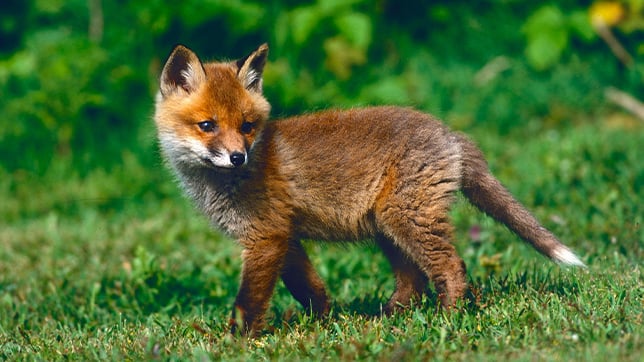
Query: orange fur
pixel 385 173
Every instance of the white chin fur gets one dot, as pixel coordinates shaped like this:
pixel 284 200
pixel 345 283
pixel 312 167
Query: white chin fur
pixel 563 255
pixel 222 160
pixel 194 154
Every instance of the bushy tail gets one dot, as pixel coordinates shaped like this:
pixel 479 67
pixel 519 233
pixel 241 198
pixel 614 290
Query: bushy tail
pixel 486 192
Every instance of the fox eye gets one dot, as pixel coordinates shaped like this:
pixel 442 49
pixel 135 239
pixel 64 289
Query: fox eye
pixel 206 126
pixel 247 127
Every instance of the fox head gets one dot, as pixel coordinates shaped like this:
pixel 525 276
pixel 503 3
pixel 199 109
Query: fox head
pixel 209 115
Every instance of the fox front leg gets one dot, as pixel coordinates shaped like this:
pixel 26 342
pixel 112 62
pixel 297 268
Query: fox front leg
pixel 262 266
pixel 303 281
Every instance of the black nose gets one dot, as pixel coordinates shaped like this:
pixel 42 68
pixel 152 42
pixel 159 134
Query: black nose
pixel 237 158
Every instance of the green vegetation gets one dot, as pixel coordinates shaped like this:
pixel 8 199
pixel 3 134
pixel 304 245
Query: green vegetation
pixel 102 258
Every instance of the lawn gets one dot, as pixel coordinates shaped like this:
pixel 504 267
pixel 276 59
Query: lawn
pixel 112 262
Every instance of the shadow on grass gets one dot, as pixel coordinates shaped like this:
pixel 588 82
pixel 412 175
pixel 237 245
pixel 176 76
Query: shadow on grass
pixel 148 289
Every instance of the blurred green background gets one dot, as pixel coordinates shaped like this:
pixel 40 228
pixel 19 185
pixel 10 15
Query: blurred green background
pixel 78 77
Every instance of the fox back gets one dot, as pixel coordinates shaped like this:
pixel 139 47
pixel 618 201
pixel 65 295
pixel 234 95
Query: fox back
pixel 383 173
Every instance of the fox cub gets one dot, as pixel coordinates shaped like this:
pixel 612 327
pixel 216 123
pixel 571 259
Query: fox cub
pixel 384 173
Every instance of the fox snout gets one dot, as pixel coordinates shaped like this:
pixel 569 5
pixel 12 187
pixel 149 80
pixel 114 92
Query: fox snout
pixel 237 158
pixel 225 159
pixel 229 148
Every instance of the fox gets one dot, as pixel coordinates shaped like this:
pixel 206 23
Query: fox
pixel 388 174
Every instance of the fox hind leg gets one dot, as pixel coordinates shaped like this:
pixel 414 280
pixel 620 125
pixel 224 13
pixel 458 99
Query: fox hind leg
pixel 417 220
pixel 410 279
pixel 433 252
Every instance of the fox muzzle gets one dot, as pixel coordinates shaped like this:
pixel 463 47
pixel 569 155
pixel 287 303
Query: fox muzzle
pixel 237 158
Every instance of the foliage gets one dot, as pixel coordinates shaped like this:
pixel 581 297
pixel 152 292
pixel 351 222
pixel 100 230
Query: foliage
pixel 548 33
pixel 550 29
pixel 79 76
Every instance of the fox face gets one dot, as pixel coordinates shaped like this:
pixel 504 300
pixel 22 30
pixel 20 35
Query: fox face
pixel 210 115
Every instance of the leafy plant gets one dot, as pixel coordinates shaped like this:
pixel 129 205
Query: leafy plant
pixel 551 29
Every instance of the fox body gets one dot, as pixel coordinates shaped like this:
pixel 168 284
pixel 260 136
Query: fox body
pixel 384 173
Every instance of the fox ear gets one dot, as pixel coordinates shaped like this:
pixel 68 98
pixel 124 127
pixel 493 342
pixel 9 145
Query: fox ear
pixel 251 68
pixel 182 71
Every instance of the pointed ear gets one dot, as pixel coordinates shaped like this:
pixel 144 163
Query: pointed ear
pixel 182 71
pixel 251 68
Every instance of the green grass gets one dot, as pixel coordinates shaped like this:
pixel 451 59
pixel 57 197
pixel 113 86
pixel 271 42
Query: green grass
pixel 114 263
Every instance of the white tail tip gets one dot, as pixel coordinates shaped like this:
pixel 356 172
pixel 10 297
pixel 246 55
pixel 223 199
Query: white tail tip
pixel 563 255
